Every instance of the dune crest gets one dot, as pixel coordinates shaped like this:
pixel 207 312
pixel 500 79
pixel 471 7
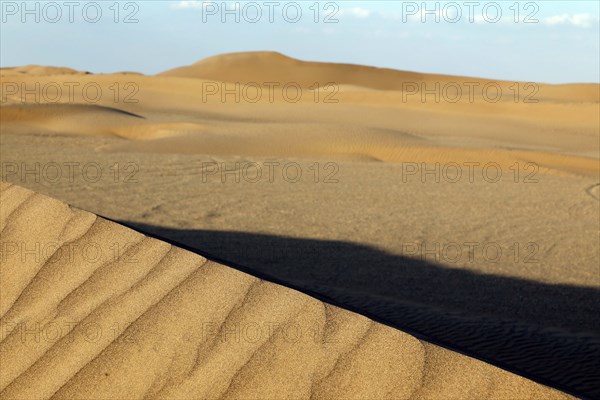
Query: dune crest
pixel 39 70
pixel 72 119
pixel 150 320
pixel 266 66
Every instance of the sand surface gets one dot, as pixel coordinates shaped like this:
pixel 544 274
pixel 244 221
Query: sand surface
pixel 139 318
pixel 505 270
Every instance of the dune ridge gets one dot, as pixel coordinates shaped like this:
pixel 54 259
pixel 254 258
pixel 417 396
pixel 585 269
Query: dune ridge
pixel 559 131
pixel 155 321
pixel 266 66
pixel 39 70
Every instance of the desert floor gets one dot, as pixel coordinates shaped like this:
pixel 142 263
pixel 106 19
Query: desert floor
pixel 471 224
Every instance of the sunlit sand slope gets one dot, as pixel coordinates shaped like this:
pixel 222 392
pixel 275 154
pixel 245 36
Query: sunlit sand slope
pixel 91 309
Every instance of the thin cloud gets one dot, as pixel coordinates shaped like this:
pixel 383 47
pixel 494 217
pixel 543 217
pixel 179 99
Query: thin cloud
pixel 356 12
pixel 359 12
pixel 188 5
pixel 579 20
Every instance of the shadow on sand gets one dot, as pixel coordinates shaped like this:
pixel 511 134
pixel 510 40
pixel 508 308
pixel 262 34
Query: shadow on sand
pixel 548 333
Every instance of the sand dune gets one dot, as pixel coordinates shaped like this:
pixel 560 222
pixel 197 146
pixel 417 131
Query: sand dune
pixel 38 70
pixel 342 239
pixel 71 119
pixel 172 118
pixel 262 67
pixel 381 123
pixel 155 321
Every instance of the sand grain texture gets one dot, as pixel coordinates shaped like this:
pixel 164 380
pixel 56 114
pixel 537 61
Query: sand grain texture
pixel 156 321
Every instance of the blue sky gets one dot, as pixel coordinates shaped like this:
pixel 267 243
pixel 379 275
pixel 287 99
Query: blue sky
pixel 544 41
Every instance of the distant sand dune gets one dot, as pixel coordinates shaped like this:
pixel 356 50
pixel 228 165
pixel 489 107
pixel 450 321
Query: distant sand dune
pixel 261 67
pixel 152 133
pixel 372 118
pixel 38 70
pixel 76 119
pixel 155 321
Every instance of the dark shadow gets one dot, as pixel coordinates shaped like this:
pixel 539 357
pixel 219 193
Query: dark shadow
pixel 548 333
